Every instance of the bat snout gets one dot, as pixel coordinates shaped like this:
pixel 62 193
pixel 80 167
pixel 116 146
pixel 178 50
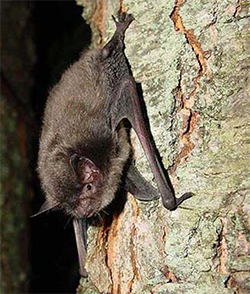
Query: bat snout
pixel 87 207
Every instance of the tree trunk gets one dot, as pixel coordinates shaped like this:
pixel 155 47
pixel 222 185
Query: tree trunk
pixel 17 65
pixel 192 59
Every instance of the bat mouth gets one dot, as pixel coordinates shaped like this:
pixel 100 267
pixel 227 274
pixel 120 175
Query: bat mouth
pixel 87 207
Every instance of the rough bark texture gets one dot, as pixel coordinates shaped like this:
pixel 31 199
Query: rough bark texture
pixel 192 58
pixel 17 62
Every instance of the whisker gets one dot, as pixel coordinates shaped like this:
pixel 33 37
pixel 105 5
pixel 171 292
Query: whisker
pixel 104 212
pixel 69 219
pixel 99 216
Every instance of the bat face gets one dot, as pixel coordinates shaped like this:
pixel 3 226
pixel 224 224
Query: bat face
pixel 79 175
pixel 74 184
pixel 91 183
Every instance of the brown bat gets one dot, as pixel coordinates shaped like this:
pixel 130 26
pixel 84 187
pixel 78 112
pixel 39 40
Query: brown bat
pixel 84 145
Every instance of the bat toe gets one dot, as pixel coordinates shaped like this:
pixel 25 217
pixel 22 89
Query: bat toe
pixel 123 21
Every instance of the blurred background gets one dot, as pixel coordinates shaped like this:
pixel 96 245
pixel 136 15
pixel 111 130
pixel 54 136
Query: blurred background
pixel 39 40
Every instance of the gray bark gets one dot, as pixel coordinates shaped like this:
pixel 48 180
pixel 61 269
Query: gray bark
pixel 192 58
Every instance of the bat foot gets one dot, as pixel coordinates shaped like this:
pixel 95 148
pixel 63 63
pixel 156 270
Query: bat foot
pixel 116 43
pixel 123 21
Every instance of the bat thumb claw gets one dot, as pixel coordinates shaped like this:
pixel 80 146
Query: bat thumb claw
pixel 83 273
pixel 183 198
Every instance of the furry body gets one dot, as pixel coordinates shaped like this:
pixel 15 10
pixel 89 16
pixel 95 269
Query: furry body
pixel 77 120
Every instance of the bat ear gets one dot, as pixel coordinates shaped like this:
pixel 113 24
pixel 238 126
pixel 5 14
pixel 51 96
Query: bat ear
pixel 74 159
pixel 45 207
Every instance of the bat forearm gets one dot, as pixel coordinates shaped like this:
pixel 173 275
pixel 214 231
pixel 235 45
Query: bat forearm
pixel 127 105
pixel 81 249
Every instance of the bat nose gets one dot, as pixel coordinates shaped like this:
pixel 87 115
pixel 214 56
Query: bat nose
pixel 83 211
pixel 87 207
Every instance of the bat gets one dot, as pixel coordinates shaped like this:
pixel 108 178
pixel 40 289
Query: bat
pixel 84 144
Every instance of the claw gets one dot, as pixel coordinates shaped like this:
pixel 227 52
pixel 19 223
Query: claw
pixel 183 198
pixel 124 20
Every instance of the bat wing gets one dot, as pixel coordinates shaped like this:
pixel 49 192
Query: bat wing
pixel 138 186
pixel 127 105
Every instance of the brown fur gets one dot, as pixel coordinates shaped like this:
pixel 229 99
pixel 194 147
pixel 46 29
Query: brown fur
pixel 76 120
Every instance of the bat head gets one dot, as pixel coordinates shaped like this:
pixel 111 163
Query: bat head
pixel 81 178
pixel 72 183
pixel 91 182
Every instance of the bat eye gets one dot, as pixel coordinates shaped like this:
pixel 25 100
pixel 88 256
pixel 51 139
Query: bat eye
pixel 88 187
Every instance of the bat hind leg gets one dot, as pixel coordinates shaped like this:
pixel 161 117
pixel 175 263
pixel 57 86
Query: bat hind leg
pixel 116 43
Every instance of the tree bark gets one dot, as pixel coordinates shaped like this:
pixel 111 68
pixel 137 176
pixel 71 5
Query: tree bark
pixel 192 59
pixel 17 64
